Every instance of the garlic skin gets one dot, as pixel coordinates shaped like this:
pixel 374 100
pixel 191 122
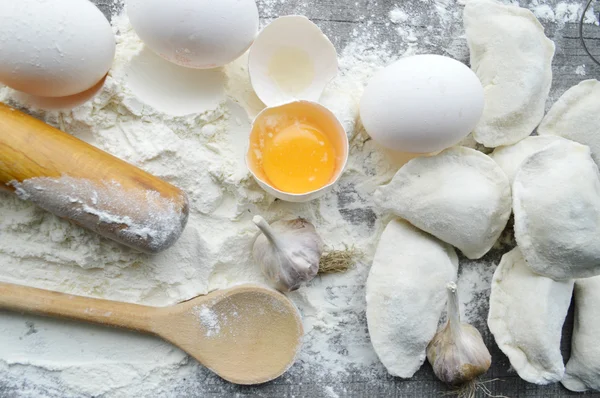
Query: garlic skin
pixel 457 352
pixel 288 252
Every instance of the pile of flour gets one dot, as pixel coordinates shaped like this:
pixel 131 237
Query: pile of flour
pixel 137 117
pixel 202 153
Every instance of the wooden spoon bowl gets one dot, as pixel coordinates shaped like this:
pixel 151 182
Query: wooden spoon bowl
pixel 246 335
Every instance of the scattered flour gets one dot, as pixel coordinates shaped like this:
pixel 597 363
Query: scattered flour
pixel 565 12
pixel 561 12
pixel 270 8
pixel 398 16
pixel 580 70
pixel 202 152
pixel 209 320
pixel 330 393
pixel 544 12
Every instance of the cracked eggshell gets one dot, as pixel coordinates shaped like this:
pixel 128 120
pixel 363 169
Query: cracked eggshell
pixel 291 59
pixel 305 111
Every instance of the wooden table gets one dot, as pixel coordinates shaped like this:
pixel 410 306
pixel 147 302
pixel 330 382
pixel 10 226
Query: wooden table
pixel 338 19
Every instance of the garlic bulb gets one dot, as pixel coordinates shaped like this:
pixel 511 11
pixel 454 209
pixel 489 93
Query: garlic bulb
pixel 457 352
pixel 288 252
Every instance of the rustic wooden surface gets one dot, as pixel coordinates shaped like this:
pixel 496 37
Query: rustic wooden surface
pixel 338 19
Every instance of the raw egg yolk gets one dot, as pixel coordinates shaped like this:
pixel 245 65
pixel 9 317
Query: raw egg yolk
pixel 299 159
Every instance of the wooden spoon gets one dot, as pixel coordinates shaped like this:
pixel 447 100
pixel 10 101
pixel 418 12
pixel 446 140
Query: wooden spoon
pixel 246 334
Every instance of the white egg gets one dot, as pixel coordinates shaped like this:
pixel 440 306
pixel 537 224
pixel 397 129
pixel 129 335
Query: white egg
pixel 195 33
pixel 422 104
pixel 54 48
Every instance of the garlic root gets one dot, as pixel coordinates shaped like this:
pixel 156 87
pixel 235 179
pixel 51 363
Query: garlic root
pixel 288 252
pixel 473 389
pixel 457 352
pixel 337 261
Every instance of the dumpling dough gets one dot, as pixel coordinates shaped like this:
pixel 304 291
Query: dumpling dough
pixel 509 158
pixel 512 57
pixel 583 368
pixel 527 312
pixel 576 116
pixel 460 196
pixel 406 294
pixel 556 202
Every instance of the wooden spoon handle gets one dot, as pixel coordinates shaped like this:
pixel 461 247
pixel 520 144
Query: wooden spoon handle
pixel 43 302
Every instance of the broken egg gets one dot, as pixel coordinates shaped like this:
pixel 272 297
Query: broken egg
pixel 298 148
pixel 291 59
pixel 297 151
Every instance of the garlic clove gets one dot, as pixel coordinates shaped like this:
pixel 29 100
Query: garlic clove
pixel 288 252
pixel 457 352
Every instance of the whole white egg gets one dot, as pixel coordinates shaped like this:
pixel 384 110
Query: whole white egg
pixel 422 104
pixel 195 33
pixel 54 48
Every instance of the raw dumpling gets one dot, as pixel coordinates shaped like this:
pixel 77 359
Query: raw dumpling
pixel 460 196
pixel 509 158
pixel 576 116
pixel 527 312
pixel 406 294
pixel 556 202
pixel 512 57
pixel 583 368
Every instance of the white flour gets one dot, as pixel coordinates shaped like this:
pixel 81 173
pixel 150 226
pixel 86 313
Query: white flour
pixel 562 12
pixel 209 320
pixel 202 152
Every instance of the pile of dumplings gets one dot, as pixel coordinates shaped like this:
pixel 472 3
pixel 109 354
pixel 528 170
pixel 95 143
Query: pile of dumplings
pixel 462 198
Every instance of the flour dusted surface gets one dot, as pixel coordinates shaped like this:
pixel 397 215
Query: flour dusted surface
pixel 201 154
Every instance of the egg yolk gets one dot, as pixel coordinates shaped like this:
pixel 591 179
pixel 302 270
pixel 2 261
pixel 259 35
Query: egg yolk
pixel 299 159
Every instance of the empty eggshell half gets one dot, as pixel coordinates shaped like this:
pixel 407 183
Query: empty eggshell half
pixel 291 59
pixel 279 118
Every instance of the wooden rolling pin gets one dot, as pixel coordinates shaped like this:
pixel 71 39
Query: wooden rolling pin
pixel 246 334
pixel 81 183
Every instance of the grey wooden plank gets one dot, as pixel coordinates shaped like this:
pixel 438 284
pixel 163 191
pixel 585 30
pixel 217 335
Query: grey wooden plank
pixel 339 19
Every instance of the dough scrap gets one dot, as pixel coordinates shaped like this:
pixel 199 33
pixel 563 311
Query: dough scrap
pixel 583 368
pixel 510 157
pixel 406 295
pixel 513 59
pixel 576 116
pixel 460 196
pixel 527 312
pixel 556 202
